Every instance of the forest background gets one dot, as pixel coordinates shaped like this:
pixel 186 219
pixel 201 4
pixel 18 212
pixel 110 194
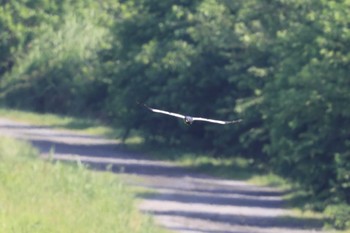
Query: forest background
pixel 282 66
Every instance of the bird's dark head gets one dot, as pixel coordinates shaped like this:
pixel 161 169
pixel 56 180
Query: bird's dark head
pixel 188 120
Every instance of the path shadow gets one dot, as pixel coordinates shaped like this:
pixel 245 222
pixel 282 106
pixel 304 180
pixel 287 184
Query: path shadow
pixel 200 191
pixel 212 198
pixel 113 156
pixel 241 190
pixel 254 221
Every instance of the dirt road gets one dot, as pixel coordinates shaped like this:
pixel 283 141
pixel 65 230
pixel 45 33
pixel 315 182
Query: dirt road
pixel 184 202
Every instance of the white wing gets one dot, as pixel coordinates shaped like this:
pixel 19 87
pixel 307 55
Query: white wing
pixel 165 112
pixel 216 121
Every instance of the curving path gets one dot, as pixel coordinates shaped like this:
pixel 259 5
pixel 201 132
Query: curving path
pixel 184 201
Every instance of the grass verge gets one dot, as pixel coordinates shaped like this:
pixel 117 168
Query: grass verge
pixel 223 167
pixel 43 197
pixel 298 200
pixel 229 168
pixel 60 122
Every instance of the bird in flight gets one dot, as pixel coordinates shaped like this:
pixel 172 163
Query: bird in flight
pixel 189 119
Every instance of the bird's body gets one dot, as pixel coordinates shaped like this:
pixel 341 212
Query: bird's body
pixel 189 119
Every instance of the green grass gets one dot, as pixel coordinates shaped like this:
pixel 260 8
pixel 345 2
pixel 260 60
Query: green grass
pixel 83 125
pixel 223 167
pixel 44 197
pixel 244 169
pixel 60 122
pixel 228 168
pixel 233 168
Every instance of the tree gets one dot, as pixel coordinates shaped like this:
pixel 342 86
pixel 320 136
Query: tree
pixel 172 55
pixel 57 69
pixel 305 102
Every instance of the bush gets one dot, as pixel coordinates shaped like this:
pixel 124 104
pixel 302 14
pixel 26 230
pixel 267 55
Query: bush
pixel 51 59
pixel 339 216
pixel 58 73
pixel 166 55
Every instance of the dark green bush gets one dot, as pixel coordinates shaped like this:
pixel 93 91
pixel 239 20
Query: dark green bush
pixel 306 102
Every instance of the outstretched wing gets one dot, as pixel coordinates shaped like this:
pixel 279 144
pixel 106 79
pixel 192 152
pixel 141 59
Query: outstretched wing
pixel 164 112
pixel 216 121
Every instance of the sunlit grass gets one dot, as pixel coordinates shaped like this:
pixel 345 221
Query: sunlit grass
pixel 223 167
pixel 230 168
pixel 45 197
pixel 60 122
pixel 233 168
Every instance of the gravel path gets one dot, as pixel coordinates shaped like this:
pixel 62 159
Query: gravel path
pixel 184 202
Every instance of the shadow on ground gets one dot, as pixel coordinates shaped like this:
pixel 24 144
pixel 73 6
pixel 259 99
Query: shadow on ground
pixel 185 201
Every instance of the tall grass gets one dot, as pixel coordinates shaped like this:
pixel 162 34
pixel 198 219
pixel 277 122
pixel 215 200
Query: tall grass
pixel 43 197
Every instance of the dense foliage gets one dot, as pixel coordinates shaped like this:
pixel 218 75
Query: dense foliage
pixel 280 65
pixel 53 62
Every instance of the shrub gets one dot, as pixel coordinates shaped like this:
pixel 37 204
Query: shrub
pixel 339 216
